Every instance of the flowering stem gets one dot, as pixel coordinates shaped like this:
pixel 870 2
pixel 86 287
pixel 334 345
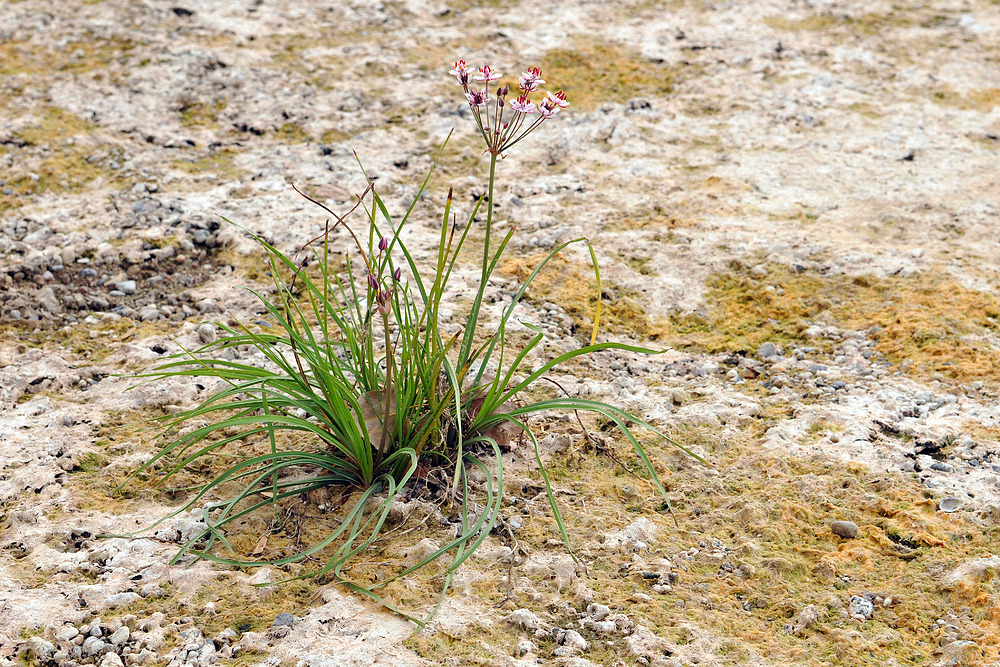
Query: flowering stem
pixel 387 393
pixel 470 327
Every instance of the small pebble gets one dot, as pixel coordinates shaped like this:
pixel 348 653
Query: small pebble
pixel 284 618
pixel 846 529
pixel 860 608
pixel 950 504
pixel 119 636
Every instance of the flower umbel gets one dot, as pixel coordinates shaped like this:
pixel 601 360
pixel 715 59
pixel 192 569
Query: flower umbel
pixel 503 123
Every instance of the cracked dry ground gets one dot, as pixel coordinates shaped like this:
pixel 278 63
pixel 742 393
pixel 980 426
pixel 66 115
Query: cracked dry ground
pixel 797 202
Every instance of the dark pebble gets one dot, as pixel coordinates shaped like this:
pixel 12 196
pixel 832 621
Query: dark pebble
pixel 943 467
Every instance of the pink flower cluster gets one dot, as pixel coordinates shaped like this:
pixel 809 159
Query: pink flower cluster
pixel 503 123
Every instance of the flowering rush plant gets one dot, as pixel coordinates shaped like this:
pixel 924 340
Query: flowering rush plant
pixel 504 122
pixel 356 383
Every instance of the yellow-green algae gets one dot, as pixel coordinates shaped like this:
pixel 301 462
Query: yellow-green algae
pixel 591 73
pixel 929 319
pixel 219 163
pixel 978 100
pixel 865 25
pixel 58 152
pixel 26 58
pixel 571 284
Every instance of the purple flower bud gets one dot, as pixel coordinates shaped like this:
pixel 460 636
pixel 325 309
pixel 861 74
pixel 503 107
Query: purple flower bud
pixel 383 243
pixel 372 281
pixel 397 274
pixel 502 91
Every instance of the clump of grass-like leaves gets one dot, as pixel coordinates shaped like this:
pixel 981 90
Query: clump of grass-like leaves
pixel 359 366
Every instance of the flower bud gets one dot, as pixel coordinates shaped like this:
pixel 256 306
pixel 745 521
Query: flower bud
pixel 372 281
pixel 383 243
pixel 397 274
pixel 503 90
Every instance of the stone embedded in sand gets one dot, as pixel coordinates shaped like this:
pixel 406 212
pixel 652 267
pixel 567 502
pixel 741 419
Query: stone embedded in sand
pixel 961 652
pixel 846 529
pixel 641 531
pixel 524 618
pixel 643 643
pixel 950 504
pixel 806 618
pixel 860 608
pixel 972 572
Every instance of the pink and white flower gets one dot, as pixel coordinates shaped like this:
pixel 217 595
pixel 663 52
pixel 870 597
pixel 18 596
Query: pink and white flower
pixel 523 105
pixel 546 110
pixel 459 69
pixel 487 74
pixel 557 100
pixel 477 98
pixel 530 80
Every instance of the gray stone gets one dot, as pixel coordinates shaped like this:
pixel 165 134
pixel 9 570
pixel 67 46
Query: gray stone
pixel 599 612
pixel 524 618
pixel 766 350
pixel 112 660
pixel 66 633
pixel 846 529
pixel 119 636
pixel 126 286
pixel 207 332
pixel 950 504
pixel 860 608
pixel 284 618
pixel 94 646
